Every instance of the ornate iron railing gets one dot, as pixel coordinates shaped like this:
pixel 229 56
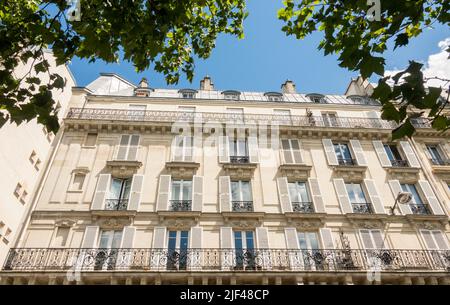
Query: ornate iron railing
pixel 302 207
pixel 242 206
pixel 344 161
pixel 180 205
pixel 420 209
pixel 362 208
pixel 52 259
pixel 239 159
pixel 399 163
pixel 173 116
pixel 116 204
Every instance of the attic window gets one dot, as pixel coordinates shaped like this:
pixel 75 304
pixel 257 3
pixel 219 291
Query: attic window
pixel 358 99
pixel 187 93
pixel 274 96
pixel 231 95
pixel 316 98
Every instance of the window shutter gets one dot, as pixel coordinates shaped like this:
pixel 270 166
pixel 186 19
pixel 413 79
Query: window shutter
pixel 176 150
pixel 377 238
pixel 431 197
pixel 316 195
pixel 366 239
pixel 358 152
pixel 197 147
pixel 159 238
pixel 396 188
pixel 286 152
pixel 283 192
pixel 133 148
pixel 135 194
pixel 262 238
pixel 440 239
pixel 104 180
pixel 296 151
pixel 375 199
pixel 224 149
pixel 225 193
pixel 162 203
pixel 341 192
pixel 291 238
pixel 409 153
pixel 226 238
pixel 196 238
pixel 327 238
pixel 90 237
pixel 253 149
pixel 381 153
pixel 197 193
pixel 329 151
pixel 428 238
pixel 188 149
pixel 128 237
pixel 123 147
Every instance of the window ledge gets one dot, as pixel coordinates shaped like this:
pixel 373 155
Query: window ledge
pixel 427 219
pixel 88 147
pixel 295 171
pixel 351 173
pixel 75 191
pixel 352 216
pixel 304 216
pixel 404 174
pixel 443 171
pixel 122 168
pixel 239 170
pixel 182 169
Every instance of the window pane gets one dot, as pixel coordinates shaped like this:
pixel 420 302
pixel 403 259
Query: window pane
pixel 246 191
pixel 302 241
pixel 187 190
pixel 313 242
pixel 411 188
pixel 184 239
pixel 249 239
pixel 116 239
pixel 293 192
pixel 104 239
pixel 172 240
pixel 303 192
pixel 242 147
pixel 116 185
pixel 61 236
pixel 235 191
pixel 285 144
pixel 176 190
pixel 78 181
pixel 126 186
pixel 237 239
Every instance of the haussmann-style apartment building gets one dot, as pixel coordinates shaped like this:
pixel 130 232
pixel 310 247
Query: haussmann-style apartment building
pixel 165 186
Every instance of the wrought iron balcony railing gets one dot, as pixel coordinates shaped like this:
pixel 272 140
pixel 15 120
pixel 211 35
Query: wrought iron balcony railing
pixel 344 161
pixel 180 205
pixel 399 163
pixel 116 204
pixel 239 159
pixel 242 206
pixel 302 207
pixel 362 208
pixel 420 209
pixel 248 118
pixel 57 259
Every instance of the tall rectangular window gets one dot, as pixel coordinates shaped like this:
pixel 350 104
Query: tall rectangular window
pixel 119 193
pixel 128 147
pixel 435 154
pixel 78 181
pixel 357 198
pixel 291 151
pixel 238 148
pixel 181 198
pixel 394 155
pixel 244 249
pixel 177 245
pixel 61 237
pixel 343 154
pixel 300 199
pixel 416 204
pixel 184 148
pixel 329 119
pixel 241 196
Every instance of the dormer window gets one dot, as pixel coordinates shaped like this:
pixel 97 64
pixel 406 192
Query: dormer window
pixel 361 100
pixel 187 93
pixel 316 98
pixel 231 95
pixel 274 96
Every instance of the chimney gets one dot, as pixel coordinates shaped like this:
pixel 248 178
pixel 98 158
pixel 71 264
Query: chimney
pixel 143 90
pixel 206 84
pixel 288 87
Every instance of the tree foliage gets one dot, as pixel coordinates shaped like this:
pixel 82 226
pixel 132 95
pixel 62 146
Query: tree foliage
pixel 352 31
pixel 167 34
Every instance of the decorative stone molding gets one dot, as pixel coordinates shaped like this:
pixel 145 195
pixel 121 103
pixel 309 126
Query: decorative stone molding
pixel 182 169
pixel 179 219
pixel 239 170
pixel 305 217
pixel 123 169
pixel 295 172
pixel 404 174
pixel 432 221
pixel 106 222
pixel 442 171
pixel 243 219
pixel 306 223
pixel 81 170
pixel 65 223
pixel 350 173
pixel 367 221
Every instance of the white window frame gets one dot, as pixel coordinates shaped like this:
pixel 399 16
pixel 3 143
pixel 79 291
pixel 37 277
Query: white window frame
pixel 240 193
pixel 184 185
pixel 184 147
pixel 383 246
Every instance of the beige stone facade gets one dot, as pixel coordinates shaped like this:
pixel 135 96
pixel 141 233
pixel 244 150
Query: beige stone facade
pixel 156 186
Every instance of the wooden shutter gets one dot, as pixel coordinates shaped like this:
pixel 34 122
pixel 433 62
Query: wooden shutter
pixel 197 147
pixel 283 193
pixel 377 238
pixel 196 238
pixel 428 238
pixel 162 203
pixel 159 238
pixel 128 237
pixel 396 188
pixel 327 238
pixel 90 237
pixel 197 193
pixel 291 238
pixel 341 191
pixel 441 240
pixel 133 148
pixel 123 147
pixel 381 153
pixel 377 203
pixel 224 149
pixel 296 151
pixel 101 191
pixel 253 149
pixel 316 195
pixel 329 151
pixel 226 238
pixel 286 152
pixel 431 197
pixel 136 191
pixel 176 149
pixel 262 238
pixel 366 238
pixel 358 152
pixel 409 153
pixel 225 193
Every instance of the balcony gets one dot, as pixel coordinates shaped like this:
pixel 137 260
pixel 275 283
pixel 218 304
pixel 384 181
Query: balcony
pixel 214 260
pixel 116 204
pixel 242 206
pixel 346 162
pixel 302 207
pixel 181 205
pixel 420 209
pixel 399 163
pixel 362 208
pixel 239 159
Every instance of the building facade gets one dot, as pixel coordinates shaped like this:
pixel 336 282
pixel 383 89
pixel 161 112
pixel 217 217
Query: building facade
pixel 159 186
pixel 24 153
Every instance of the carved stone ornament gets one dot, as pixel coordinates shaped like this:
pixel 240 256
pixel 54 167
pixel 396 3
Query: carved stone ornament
pixel 113 222
pixel 310 224
pixel 65 223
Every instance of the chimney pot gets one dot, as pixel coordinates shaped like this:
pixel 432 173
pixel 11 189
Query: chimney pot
pixel 206 84
pixel 288 87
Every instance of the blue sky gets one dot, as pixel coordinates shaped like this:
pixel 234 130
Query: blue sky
pixel 266 57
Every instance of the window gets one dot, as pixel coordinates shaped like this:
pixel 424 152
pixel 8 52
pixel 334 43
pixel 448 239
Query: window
pixel 275 98
pixel 108 247
pixel 435 154
pixel 78 181
pixel 362 100
pixel 291 151
pixel 177 245
pixel 128 147
pixel 357 198
pixel 244 246
pixel 301 202
pixel 309 246
pixel 394 155
pixel 231 95
pixel 110 239
pixel 417 205
pixel 241 196
pixel 316 98
pixel 372 239
pixel 181 199
pixel 343 154
pixel 183 150
pixel 329 119
pixel 91 139
pixel 434 240
pixel 61 237
pixel 238 151
pixel 119 193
